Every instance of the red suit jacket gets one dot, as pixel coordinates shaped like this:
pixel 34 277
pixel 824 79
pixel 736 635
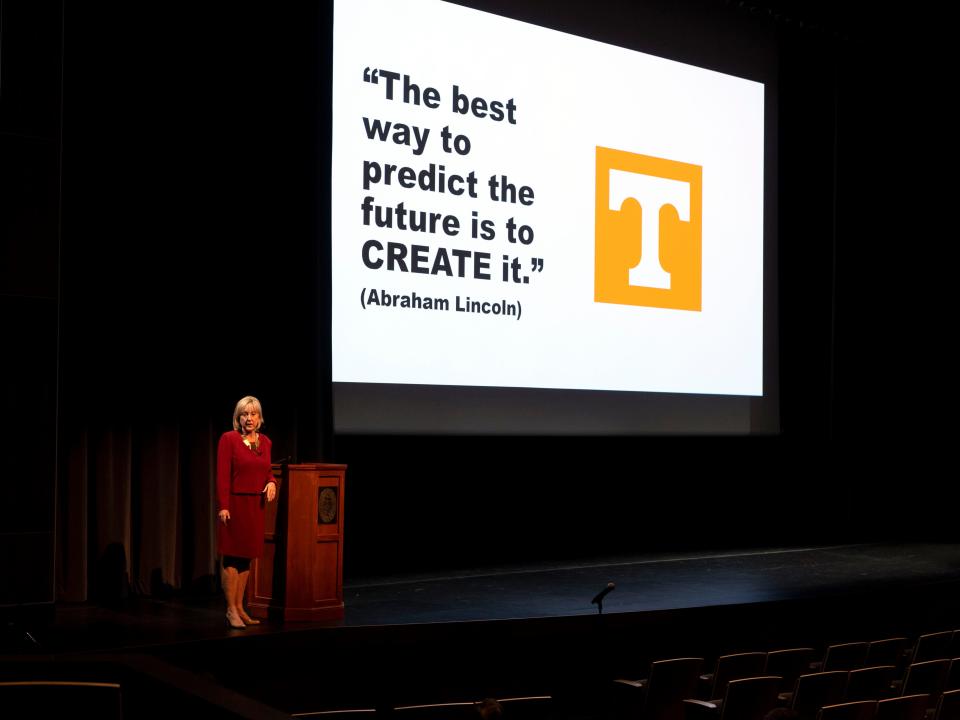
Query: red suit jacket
pixel 240 470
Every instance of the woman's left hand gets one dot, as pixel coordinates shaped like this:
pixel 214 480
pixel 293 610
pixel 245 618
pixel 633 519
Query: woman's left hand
pixel 271 491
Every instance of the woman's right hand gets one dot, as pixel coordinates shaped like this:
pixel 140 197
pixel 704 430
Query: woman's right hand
pixel 224 515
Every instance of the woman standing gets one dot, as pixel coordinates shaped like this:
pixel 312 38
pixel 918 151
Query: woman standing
pixel 244 482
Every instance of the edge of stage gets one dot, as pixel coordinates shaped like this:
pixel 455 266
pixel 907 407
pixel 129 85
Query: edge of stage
pixel 510 630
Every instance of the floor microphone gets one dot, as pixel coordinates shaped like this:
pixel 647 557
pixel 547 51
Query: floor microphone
pixel 603 593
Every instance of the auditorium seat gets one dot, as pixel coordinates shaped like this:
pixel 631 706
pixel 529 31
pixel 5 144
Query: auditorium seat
pixel 870 683
pixel 732 667
pixel 926 678
pixel 350 714
pixel 533 707
pixel 860 710
pixel 789 664
pixel 659 696
pixel 949 706
pixel 437 711
pixel 953 675
pixel 844 656
pixel 745 699
pixel 888 651
pixel 815 690
pixel 906 707
pixel 43 699
pixel 933 646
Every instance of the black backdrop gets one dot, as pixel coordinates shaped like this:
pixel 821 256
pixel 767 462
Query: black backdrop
pixel 190 270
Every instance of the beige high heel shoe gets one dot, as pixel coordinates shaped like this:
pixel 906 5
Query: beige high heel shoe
pixel 234 621
pixel 247 619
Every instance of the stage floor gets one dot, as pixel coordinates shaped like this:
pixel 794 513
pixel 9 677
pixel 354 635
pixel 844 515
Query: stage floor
pixel 643 584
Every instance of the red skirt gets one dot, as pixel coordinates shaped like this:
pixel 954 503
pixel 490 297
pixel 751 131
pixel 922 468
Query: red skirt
pixel 242 534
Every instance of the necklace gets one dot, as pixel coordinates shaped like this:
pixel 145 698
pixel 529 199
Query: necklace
pixel 254 445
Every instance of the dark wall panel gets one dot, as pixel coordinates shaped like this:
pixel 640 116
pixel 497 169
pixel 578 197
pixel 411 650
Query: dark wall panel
pixel 30 35
pixel 28 223
pixel 30 94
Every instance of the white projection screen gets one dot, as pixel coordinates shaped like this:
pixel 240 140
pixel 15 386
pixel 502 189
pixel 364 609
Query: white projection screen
pixel 536 232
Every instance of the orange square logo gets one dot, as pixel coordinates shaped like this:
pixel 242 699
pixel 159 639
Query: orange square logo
pixel 648 231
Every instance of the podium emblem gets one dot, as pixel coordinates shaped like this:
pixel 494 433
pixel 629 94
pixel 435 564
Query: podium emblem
pixel 327 506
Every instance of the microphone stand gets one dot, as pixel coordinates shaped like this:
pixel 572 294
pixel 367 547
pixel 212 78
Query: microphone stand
pixel 598 598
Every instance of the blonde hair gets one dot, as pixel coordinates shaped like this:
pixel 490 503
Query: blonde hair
pixel 241 406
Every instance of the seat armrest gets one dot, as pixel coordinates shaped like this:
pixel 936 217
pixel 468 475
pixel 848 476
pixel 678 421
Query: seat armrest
pixel 642 683
pixel 700 709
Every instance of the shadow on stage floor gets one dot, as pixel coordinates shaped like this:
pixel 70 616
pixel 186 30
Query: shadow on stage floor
pixel 531 629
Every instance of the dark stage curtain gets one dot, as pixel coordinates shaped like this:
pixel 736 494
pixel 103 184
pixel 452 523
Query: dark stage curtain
pixel 189 272
pixel 139 516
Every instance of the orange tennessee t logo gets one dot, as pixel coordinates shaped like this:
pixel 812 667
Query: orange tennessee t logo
pixel 648 231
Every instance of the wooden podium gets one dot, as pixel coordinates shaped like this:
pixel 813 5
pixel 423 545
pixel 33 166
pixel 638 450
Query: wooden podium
pixel 300 576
